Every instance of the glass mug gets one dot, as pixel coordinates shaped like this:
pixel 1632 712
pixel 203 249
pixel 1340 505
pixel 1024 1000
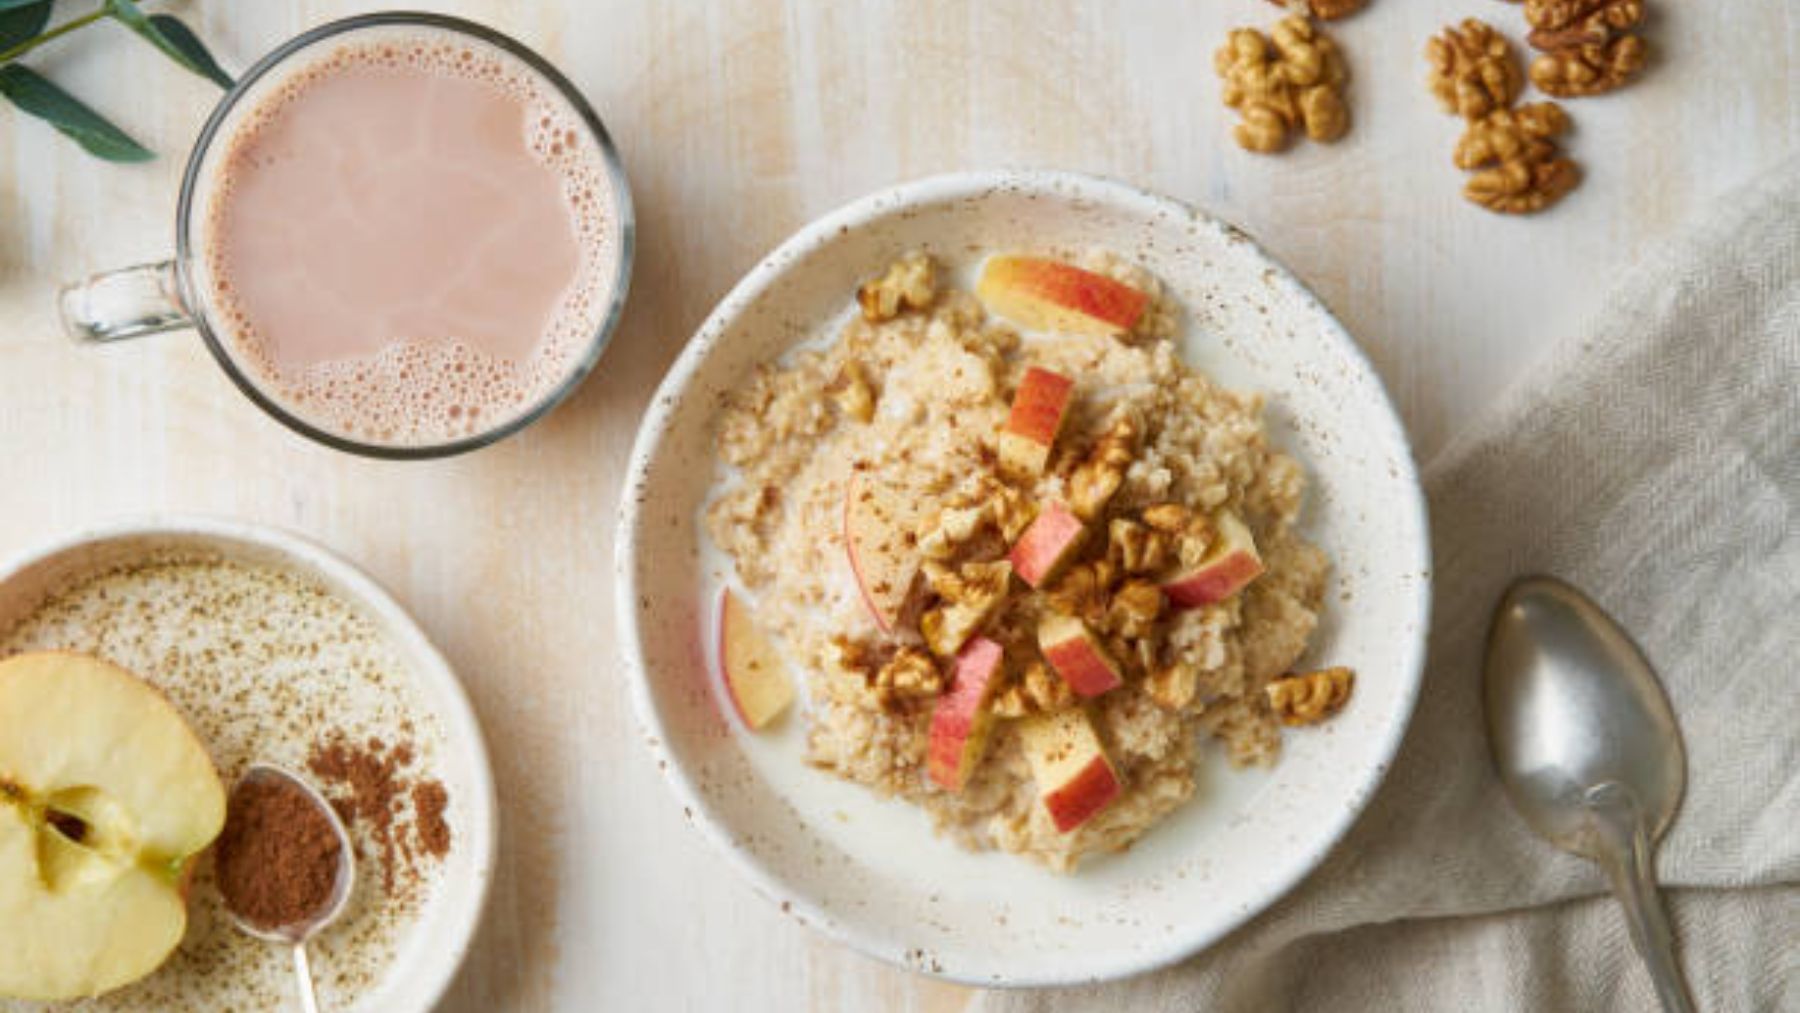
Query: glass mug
pixel 197 288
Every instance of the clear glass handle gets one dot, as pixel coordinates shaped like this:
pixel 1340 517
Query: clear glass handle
pixel 129 303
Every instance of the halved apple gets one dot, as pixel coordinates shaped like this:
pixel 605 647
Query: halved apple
pixel 758 681
pixel 1230 565
pixel 1074 778
pixel 1047 545
pixel 962 718
pixel 106 797
pixel 1038 409
pixel 1077 655
pixel 881 537
pixel 1050 295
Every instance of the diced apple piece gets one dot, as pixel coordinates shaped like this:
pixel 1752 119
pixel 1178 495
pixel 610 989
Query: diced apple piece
pixel 1049 295
pixel 758 681
pixel 1230 565
pixel 106 800
pixel 1047 545
pixel 962 717
pixel 1038 409
pixel 1077 655
pixel 880 535
pixel 1074 778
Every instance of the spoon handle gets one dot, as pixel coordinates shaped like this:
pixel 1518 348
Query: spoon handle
pixel 303 972
pixel 1625 854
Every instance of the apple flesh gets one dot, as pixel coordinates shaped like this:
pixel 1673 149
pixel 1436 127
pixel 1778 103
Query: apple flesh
pixel 1077 655
pixel 106 798
pixel 1038 409
pixel 754 675
pixel 1230 565
pixel 1049 295
pixel 962 717
pixel 1048 545
pixel 881 538
pixel 1074 778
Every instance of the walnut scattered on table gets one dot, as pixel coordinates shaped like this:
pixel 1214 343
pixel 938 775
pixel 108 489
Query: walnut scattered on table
pixel 1473 69
pixel 1519 167
pixel 1289 81
pixel 1512 151
pixel 1310 697
pixel 1587 47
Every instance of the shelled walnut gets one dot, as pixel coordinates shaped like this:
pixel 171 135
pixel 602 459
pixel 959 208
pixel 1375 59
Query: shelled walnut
pixel 908 283
pixel 1085 590
pixel 1587 46
pixel 852 392
pixel 1311 697
pixel 1324 10
pixel 1134 609
pixel 1135 547
pixel 1292 79
pixel 1473 69
pixel 1173 688
pixel 909 675
pixel 1100 474
pixel 969 595
pixel 1520 167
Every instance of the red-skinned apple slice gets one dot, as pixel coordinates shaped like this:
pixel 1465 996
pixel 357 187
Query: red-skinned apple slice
pixel 962 718
pixel 1077 655
pixel 1050 295
pixel 1074 778
pixel 1047 545
pixel 1230 565
pixel 1038 409
pixel 880 535
pixel 757 680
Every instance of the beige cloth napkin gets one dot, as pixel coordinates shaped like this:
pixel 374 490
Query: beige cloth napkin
pixel 1657 465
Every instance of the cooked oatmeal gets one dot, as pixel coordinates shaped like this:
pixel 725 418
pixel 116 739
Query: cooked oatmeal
pixel 1152 472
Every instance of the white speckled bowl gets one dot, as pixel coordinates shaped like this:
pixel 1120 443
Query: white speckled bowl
pixel 870 872
pixel 432 947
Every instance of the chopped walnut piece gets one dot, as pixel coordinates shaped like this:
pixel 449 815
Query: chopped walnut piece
pixel 1037 691
pixel 954 527
pixel 1101 473
pixel 1310 697
pixel 971 594
pixel 909 675
pixel 1134 609
pixel 852 392
pixel 1169 518
pixel 1085 590
pixel 1174 687
pixel 909 283
pixel 1324 10
pixel 1473 70
pixel 1589 69
pixel 1134 548
pixel 1291 80
pixel 1522 169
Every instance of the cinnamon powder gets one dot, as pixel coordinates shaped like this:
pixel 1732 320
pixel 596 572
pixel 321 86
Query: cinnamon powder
pixel 277 858
pixel 370 784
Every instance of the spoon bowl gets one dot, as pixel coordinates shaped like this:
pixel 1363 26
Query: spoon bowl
pixel 1588 749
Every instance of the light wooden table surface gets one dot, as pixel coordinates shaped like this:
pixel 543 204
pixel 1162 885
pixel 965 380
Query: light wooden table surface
pixel 739 122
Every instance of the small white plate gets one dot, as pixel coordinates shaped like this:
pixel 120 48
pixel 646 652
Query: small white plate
pixel 870 872
pixel 430 944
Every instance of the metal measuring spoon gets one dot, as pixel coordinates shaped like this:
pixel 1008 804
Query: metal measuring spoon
pixel 297 933
pixel 1588 749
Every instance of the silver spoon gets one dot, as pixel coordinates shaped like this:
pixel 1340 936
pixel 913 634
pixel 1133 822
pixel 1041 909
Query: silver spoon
pixel 297 933
pixel 1588 749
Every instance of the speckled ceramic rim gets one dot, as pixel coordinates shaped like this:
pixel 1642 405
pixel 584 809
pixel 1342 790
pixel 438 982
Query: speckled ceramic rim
pixel 625 223
pixel 898 201
pixel 462 730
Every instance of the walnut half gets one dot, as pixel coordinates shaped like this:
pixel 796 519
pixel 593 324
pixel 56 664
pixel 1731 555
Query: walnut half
pixel 1588 46
pixel 1324 10
pixel 1310 697
pixel 909 283
pixel 1473 69
pixel 1521 168
pixel 1291 80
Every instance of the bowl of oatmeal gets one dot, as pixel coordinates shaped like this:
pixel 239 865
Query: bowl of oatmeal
pixel 1023 578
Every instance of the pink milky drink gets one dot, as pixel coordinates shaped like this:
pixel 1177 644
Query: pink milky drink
pixel 403 235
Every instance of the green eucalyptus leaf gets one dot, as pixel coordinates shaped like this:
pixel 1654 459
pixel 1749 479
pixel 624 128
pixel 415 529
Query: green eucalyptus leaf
pixel 183 38
pixel 20 21
pixel 181 46
pixel 33 94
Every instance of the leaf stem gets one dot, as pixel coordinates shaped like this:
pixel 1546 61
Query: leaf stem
pixel 63 29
